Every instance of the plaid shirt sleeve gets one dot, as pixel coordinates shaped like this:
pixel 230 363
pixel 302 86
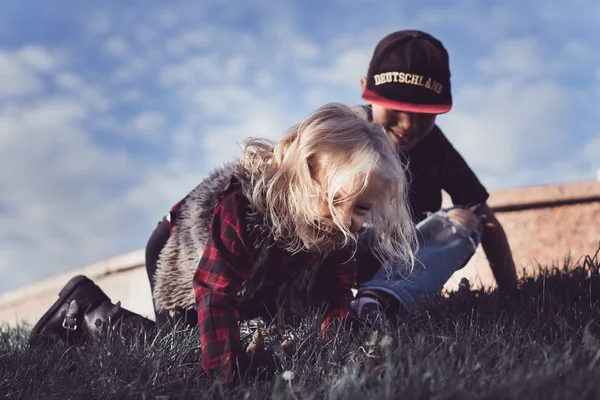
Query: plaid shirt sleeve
pixel 336 292
pixel 224 266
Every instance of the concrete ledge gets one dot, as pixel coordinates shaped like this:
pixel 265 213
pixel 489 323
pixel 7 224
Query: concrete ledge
pixel 52 285
pixel 532 197
pixel 545 196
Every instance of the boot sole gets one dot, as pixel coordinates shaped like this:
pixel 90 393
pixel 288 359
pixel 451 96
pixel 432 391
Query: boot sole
pixel 64 293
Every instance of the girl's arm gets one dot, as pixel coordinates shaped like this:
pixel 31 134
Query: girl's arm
pixel 224 266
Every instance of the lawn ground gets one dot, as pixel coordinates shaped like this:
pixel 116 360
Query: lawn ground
pixel 541 342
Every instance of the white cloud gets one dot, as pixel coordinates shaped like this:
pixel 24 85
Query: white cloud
pixel 518 56
pixel 597 74
pixel 346 69
pixel 131 95
pixel 315 97
pixel 240 112
pixel 15 80
pixel 37 58
pixel 576 49
pixel 526 57
pixel 503 126
pixel 190 40
pixel 160 188
pixel 117 47
pixel 145 35
pixel 289 45
pixel 563 171
pixel 60 193
pixel 221 100
pixel 591 151
pixel 256 118
pixel 235 68
pixel 99 23
pixel 563 15
pixel 192 71
pixel 168 18
pixel 88 93
pixel 518 129
pixel 53 199
pixel 70 81
pixel 129 70
pixel 305 50
pixel 481 23
pixel 148 125
pixel 264 80
pixel 18 71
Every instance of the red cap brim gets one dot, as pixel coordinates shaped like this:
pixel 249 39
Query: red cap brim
pixel 373 98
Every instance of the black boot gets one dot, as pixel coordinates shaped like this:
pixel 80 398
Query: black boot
pixel 82 309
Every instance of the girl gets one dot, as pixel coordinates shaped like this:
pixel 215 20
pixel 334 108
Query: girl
pixel 274 230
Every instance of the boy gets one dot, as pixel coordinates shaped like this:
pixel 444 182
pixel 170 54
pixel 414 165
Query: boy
pixel 407 86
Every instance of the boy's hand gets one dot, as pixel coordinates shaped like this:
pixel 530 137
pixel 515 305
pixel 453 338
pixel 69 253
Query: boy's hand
pixel 464 218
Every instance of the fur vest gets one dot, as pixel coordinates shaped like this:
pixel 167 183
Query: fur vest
pixel 179 258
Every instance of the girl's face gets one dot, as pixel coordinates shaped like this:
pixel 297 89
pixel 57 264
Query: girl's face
pixel 353 211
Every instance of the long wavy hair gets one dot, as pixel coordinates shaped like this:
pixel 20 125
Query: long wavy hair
pixel 340 143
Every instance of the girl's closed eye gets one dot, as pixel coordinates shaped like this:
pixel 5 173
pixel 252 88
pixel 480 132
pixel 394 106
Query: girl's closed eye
pixel 364 208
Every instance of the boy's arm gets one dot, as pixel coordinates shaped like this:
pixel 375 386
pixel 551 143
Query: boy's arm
pixel 496 247
pixel 466 190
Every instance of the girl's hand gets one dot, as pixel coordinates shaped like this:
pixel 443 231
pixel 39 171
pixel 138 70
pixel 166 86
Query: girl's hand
pixel 260 361
pixel 257 343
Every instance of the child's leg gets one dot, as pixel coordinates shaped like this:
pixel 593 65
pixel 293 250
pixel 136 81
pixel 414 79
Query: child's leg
pixel 446 243
pixel 82 303
pixel 82 309
pixel 155 244
pixel 367 264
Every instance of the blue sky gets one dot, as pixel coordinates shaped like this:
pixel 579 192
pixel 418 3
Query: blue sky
pixel 112 111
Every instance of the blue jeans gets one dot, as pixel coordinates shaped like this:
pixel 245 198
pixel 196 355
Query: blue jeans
pixel 444 248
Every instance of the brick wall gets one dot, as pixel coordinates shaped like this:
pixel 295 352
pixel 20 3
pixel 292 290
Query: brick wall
pixel 544 224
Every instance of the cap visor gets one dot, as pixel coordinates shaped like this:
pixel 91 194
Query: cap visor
pixel 373 98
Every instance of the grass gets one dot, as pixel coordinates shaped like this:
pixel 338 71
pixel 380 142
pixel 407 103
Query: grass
pixel 541 342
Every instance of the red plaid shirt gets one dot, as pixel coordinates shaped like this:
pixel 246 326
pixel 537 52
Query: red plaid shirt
pixel 227 262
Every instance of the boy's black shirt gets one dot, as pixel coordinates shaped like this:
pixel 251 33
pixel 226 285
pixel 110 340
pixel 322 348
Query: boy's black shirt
pixel 435 165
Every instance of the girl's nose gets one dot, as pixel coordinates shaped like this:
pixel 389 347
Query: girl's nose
pixel 347 218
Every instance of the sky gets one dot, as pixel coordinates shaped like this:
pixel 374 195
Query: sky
pixel 112 111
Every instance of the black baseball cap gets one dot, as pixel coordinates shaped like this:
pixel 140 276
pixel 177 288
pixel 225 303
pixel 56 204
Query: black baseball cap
pixel 410 71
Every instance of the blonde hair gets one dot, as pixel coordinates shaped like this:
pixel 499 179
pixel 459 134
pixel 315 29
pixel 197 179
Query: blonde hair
pixel 340 142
